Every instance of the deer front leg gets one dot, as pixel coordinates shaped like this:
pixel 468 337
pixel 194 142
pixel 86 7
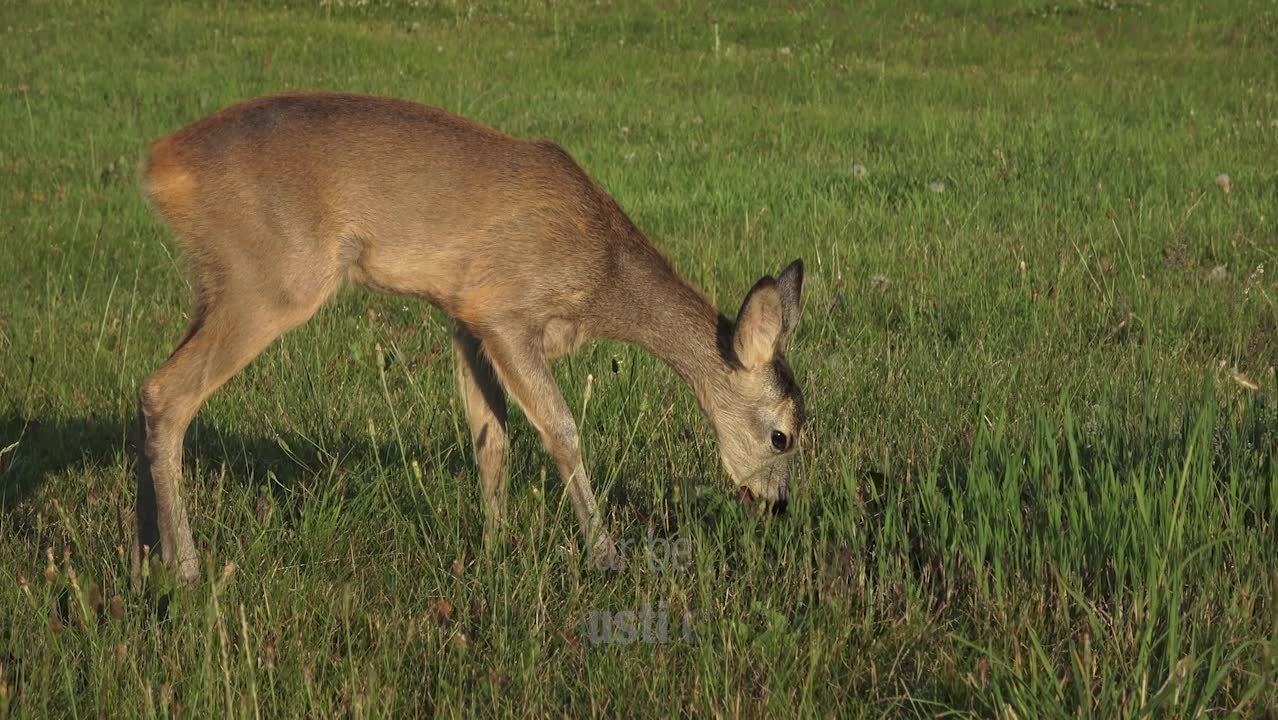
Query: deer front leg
pixel 485 405
pixel 521 364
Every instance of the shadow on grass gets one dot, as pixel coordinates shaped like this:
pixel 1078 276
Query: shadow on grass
pixel 279 466
pixel 42 450
pixel 38 449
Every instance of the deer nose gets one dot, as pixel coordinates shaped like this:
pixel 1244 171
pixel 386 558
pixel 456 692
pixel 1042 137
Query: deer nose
pixel 782 503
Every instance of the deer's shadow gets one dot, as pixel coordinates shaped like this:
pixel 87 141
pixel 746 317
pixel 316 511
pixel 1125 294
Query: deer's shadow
pixel 39 450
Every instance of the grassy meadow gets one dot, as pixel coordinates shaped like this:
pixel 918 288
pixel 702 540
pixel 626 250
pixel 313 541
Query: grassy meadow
pixel 1040 474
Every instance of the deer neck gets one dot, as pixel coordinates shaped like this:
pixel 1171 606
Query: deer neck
pixel 649 305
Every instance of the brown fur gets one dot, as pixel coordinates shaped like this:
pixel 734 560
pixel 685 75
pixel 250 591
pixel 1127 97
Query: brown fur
pixel 278 200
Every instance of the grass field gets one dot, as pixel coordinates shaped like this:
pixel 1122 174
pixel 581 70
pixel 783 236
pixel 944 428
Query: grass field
pixel 1040 476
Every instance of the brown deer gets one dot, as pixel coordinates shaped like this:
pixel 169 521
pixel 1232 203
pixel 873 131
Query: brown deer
pixel 279 200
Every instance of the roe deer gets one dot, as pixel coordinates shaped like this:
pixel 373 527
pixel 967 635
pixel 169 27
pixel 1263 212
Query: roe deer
pixel 280 199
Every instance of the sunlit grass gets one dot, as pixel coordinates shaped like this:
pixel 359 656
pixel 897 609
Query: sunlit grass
pixel 1038 345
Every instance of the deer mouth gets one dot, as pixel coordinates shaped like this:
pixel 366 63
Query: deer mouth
pixel 777 507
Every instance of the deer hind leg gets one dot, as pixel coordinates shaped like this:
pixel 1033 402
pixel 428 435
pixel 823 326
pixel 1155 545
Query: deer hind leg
pixel 228 329
pixel 520 362
pixel 485 404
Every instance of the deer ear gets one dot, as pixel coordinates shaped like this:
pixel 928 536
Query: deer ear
pixel 759 324
pixel 790 286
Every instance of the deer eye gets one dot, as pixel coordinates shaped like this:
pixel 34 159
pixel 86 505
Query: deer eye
pixel 779 441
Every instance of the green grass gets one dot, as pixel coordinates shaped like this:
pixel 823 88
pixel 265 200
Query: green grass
pixel 1041 471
